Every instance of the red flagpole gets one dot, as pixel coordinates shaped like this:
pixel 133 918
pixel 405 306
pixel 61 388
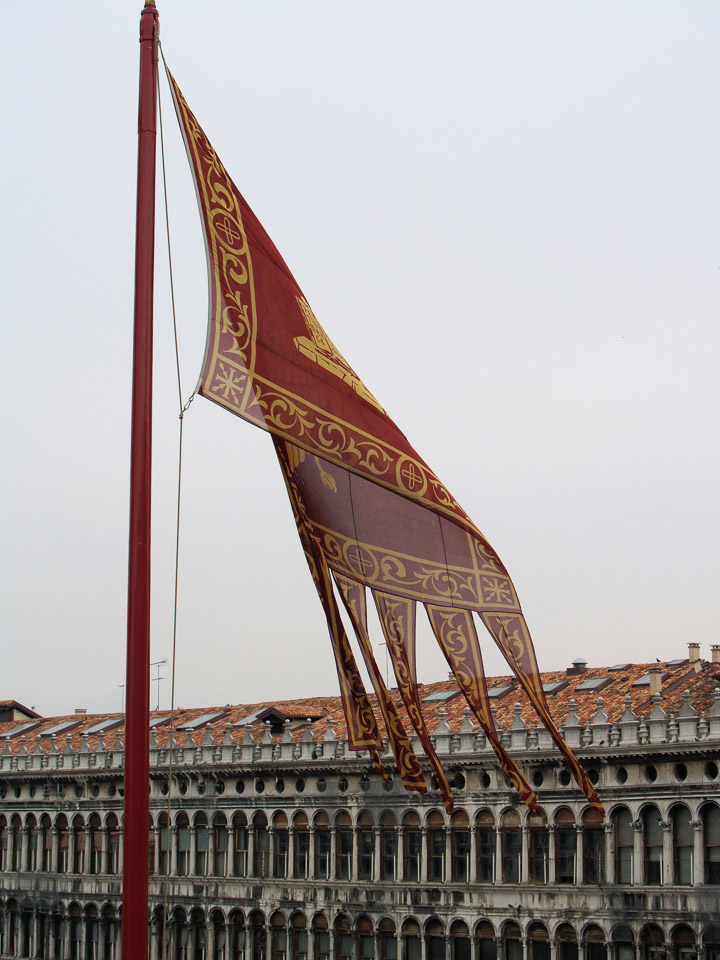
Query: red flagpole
pixel 137 687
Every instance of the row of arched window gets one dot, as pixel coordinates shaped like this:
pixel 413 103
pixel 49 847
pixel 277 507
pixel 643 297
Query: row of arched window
pixel 92 932
pixel 645 848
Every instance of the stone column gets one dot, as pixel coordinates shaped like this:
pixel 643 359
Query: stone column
pixel 192 867
pixel 291 857
pixel 400 856
pixel 525 855
pixel 121 849
pixel 472 871
pixel 173 849
pixel 54 849
pixel 377 857
pixel 424 862
pixel 609 852
pixel 552 873
pixel 271 851
pixel 10 849
pixel 332 871
pixel 354 865
pixel 698 853
pixel 88 850
pixel 500 948
pixel 251 851
pixel 104 850
pixel 311 855
pixel 498 865
pixel 579 858
pixel 638 858
pixel 553 949
pixel 448 872
pixel 211 852
pixel 667 864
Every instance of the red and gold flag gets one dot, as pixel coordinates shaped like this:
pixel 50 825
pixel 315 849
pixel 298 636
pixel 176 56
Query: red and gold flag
pixel 370 512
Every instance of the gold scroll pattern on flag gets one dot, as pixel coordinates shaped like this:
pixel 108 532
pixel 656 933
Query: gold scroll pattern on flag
pixel 368 509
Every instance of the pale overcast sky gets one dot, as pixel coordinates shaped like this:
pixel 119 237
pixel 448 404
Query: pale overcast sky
pixel 506 217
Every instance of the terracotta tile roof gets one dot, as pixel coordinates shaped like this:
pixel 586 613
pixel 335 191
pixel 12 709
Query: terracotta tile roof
pixel 620 683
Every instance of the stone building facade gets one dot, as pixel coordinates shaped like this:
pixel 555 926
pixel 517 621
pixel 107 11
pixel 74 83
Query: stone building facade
pixel 269 840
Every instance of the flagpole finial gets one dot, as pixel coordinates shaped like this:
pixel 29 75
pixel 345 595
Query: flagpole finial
pixel 150 3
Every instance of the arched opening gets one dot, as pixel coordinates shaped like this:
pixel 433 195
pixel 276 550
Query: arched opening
pixel 321 937
pixel 388 847
pixel 565 846
pixel 683 845
pixel 278 937
pixel 412 853
pixel 460 846
pixel 435 937
pixel 301 843
pixel 512 941
pixel 63 854
pixel 240 845
pixel 109 932
pixel 365 939
pixel 202 844
pixel 593 839
pixel 95 831
pixel 112 830
pixel 13 926
pixel 567 945
pixel 3 844
pixel 343 938
pixel 237 935
pixel 683 943
pixel 388 939
pixel 652 845
pixel 711 941
pixel 258 935
pixel 75 922
pixel 322 846
pixel 485 834
pixel 92 932
pixel 411 940
pixel 178 935
pixel 595 946
pixel 710 815
pixel 366 846
pixel 31 833
pixel 343 846
pixel 299 934
pixel 623 943
pixel 652 942
pixel 281 845
pixel 538 839
pixel 220 845
pixel 218 933
pixel 182 831
pixel 486 942
pixel 45 842
pixel 78 845
pixel 261 842
pixel 624 839
pixel 511 838
pixel 460 944
pixel 538 942
pixel 16 844
pixel 436 847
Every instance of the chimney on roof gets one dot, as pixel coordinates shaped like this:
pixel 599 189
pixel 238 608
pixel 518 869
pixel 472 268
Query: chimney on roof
pixel 578 666
pixel 694 655
pixel 715 648
pixel 80 710
pixel 655 680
